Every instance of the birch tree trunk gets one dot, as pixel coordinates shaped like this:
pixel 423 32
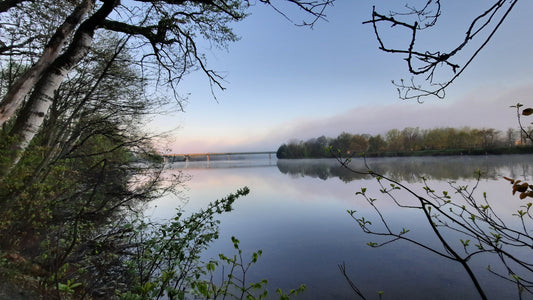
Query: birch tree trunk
pixel 5 5
pixel 34 111
pixel 25 83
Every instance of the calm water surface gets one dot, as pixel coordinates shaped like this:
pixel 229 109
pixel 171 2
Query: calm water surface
pixel 296 213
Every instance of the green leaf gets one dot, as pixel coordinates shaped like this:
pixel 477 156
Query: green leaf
pixel 516 277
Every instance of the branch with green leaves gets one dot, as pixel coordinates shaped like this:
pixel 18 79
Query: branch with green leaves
pixel 464 224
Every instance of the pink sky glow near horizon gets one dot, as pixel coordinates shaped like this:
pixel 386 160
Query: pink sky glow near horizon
pixel 286 82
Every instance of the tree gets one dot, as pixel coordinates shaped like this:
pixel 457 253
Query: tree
pixel 282 151
pixel 394 140
pixel 489 137
pixel 358 144
pixel 483 230
pixel 376 144
pixel 316 147
pixel 435 138
pixel 82 171
pixel 464 222
pixel 342 143
pixel 411 137
pixel 511 137
pixel 165 33
pixel 77 79
pixel 463 139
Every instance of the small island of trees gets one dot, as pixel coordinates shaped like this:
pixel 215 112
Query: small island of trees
pixel 411 142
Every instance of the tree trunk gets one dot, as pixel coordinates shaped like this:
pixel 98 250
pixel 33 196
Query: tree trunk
pixel 5 5
pixel 23 85
pixel 33 113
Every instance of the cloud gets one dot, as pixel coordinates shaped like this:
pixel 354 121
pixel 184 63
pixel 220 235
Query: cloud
pixel 205 144
pixel 479 108
pixel 230 142
pixel 487 107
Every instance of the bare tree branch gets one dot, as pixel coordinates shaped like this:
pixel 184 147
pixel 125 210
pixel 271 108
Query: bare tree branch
pixel 425 62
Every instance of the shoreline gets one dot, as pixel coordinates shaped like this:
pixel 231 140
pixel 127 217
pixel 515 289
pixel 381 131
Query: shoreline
pixel 442 152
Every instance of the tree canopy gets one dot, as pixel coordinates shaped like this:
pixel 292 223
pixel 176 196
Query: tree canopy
pixel 49 39
pixel 409 141
pixel 77 79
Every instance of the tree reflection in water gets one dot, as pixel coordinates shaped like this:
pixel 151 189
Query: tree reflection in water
pixel 411 169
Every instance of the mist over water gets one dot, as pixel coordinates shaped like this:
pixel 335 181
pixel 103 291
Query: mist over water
pixel 296 213
pixel 411 169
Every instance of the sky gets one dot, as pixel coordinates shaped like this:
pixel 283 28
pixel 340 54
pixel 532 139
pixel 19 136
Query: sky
pixel 286 82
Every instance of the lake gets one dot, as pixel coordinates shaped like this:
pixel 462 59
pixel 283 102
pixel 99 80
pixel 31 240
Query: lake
pixel 296 213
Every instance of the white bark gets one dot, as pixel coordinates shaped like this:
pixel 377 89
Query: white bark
pixel 32 115
pixel 25 83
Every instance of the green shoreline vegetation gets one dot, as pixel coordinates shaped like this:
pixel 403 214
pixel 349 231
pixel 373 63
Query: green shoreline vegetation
pixel 81 79
pixel 410 142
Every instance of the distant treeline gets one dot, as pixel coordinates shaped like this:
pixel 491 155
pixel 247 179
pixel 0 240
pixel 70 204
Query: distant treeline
pixel 411 141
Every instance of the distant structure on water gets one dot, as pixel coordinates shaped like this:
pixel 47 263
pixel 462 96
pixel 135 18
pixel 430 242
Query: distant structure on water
pixel 170 158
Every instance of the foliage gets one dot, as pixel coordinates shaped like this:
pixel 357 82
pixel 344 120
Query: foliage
pixel 465 224
pixel 65 203
pixel 77 80
pixel 409 141
pixel 162 260
pixel 234 282
pixel 52 215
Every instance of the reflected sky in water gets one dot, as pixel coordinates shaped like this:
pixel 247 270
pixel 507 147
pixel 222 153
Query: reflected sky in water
pixel 296 213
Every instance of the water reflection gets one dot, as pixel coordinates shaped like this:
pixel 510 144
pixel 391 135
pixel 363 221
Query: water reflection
pixel 296 213
pixel 234 162
pixel 410 169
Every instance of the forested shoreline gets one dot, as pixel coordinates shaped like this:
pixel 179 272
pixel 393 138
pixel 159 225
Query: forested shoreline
pixel 410 142
pixel 79 83
pixel 82 80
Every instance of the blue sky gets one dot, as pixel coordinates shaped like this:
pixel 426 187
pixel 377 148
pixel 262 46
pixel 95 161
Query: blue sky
pixel 286 82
